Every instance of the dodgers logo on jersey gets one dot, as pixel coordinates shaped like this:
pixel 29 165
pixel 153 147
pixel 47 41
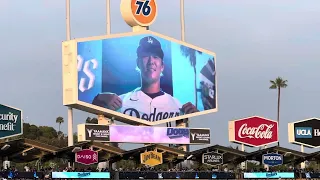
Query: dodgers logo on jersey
pixel 155 116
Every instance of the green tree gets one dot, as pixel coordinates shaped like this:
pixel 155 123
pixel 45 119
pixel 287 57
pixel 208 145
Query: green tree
pixel 278 84
pixel 191 54
pixel 75 137
pixel 59 120
pixel 48 132
pixel 91 120
pixel 126 164
pixel 34 132
pixel 94 121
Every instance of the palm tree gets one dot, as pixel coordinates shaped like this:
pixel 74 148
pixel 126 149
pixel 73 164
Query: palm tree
pixel 278 84
pixel 192 55
pixel 59 120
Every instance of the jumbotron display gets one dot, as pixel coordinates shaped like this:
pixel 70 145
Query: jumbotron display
pixel 139 78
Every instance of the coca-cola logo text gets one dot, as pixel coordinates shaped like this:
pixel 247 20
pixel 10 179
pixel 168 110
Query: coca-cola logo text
pixel 261 132
pixel 254 131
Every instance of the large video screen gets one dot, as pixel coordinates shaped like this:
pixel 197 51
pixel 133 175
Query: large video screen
pixel 146 77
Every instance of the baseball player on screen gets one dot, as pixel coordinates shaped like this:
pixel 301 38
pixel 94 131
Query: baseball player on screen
pixel 147 102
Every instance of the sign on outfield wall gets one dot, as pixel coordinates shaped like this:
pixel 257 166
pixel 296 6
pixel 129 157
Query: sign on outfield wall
pixel 96 82
pixel 253 131
pixel 212 158
pixel 151 158
pixel 305 132
pixel 87 157
pixel 142 134
pixel 272 159
pixel 11 123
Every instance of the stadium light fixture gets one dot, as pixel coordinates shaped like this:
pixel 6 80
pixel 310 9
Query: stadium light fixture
pixel 287 154
pixel 189 157
pixel 5 147
pixel 76 149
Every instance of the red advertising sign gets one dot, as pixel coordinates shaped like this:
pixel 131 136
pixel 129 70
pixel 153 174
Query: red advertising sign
pixel 87 157
pixel 253 131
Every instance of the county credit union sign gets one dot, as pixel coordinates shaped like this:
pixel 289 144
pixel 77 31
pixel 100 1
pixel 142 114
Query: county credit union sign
pixel 10 122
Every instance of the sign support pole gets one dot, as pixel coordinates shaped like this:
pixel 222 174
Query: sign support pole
pixel 108 17
pixel 183 123
pixel 303 164
pixel 266 166
pixel 70 110
pixel 243 164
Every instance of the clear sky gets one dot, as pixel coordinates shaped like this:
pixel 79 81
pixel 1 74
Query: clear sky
pixel 255 41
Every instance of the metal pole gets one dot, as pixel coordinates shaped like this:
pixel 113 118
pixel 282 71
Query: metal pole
pixel 303 164
pixel 183 39
pixel 182 20
pixel 243 164
pixel 68 20
pixel 70 110
pixel 108 17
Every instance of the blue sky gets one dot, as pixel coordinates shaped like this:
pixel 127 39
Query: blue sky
pixel 255 41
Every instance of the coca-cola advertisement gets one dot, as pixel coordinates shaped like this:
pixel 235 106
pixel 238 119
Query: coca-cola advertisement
pixel 253 131
pixel 87 157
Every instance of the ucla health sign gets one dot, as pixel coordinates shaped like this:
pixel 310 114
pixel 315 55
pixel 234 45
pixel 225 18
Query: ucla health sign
pixel 305 132
pixel 272 159
pixel 10 121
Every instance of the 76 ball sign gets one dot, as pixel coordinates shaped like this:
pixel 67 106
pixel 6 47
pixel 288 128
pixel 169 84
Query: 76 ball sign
pixel 253 131
pixel 139 12
pixel 87 157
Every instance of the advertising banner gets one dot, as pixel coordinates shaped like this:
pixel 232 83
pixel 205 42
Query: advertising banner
pixel 148 134
pixel 272 159
pixel 97 132
pixel 151 158
pixel 10 122
pixel 268 175
pixel 87 157
pixel 142 134
pixel 176 175
pixel 305 132
pixel 112 76
pixel 253 131
pixel 311 175
pixel 78 175
pixel 200 136
pixel 212 158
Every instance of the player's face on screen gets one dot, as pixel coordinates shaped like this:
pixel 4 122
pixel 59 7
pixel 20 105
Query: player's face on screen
pixel 151 67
